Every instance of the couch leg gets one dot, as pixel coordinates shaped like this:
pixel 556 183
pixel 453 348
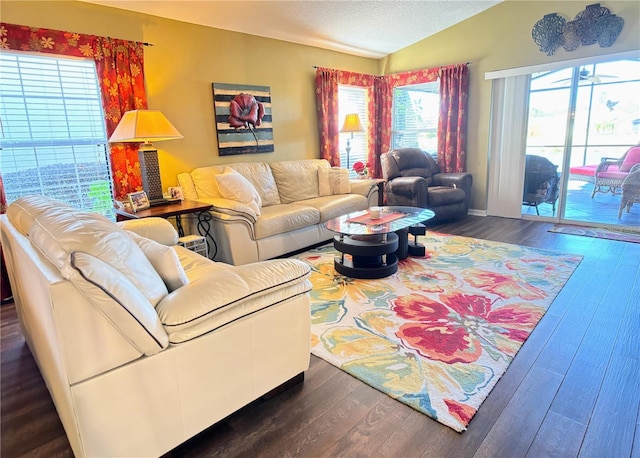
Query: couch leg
pixel 284 387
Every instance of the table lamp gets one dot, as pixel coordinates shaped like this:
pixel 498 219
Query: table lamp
pixel 145 126
pixel 351 124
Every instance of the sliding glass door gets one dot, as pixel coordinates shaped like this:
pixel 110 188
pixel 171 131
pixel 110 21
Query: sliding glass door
pixel 577 116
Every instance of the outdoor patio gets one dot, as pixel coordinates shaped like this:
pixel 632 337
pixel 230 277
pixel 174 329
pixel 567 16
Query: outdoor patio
pixel 602 209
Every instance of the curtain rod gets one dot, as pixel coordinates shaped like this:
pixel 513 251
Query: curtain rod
pixel 468 63
pixel 143 43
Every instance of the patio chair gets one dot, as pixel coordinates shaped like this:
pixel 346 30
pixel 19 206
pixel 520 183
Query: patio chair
pixel 630 190
pixel 541 181
pixel 611 172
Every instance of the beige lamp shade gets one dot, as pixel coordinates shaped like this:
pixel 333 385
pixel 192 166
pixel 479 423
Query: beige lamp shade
pixel 144 126
pixel 352 123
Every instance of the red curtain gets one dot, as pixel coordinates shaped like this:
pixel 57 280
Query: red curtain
pixel 452 124
pixel 380 108
pixel 327 107
pixel 383 102
pixel 120 68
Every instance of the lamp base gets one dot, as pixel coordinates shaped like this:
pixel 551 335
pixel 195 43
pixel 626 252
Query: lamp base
pixel 150 170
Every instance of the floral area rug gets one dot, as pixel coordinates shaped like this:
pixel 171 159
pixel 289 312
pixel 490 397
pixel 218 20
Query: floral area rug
pixel 439 333
pixel 597 232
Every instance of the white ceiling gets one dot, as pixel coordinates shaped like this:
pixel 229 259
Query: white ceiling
pixel 368 28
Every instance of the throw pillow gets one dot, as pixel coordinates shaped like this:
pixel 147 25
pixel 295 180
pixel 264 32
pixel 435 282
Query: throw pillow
pixel 234 186
pixel 120 301
pixel 334 180
pixel 324 188
pixel 164 260
pixel 632 158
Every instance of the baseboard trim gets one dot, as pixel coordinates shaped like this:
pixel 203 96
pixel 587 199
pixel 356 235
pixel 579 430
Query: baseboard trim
pixel 477 212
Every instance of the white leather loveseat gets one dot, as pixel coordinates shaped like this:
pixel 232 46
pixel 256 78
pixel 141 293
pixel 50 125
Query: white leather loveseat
pixel 273 208
pixel 143 345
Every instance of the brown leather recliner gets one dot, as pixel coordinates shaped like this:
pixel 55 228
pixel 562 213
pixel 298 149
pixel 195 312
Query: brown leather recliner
pixel 413 178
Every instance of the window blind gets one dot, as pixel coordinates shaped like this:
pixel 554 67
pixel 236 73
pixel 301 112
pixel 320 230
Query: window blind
pixel 353 99
pixel 415 116
pixel 53 137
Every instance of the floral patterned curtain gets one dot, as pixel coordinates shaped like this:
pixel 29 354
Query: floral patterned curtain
pixel 327 107
pixel 383 102
pixel 452 124
pixel 120 68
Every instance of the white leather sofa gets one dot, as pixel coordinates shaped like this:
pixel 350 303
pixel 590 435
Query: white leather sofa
pixel 144 345
pixel 274 208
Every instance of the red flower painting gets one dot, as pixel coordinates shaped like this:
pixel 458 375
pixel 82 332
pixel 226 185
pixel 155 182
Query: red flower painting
pixel 246 112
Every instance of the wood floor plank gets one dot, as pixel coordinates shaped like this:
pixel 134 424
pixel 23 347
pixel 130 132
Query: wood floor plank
pixel 525 413
pixel 375 428
pixel 558 436
pixel 612 424
pixel 571 389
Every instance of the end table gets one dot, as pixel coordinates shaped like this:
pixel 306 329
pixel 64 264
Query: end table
pixel 175 209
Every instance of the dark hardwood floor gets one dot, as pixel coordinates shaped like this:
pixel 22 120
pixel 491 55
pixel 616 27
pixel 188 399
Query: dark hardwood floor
pixel 572 390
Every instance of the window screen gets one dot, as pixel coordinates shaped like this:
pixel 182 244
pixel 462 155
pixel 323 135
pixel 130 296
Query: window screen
pixel 353 99
pixel 415 117
pixel 53 138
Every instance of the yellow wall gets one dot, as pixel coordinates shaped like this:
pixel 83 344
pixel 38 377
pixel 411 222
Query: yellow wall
pixel 497 39
pixel 187 58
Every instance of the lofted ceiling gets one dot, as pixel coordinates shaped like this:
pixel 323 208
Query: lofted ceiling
pixel 367 28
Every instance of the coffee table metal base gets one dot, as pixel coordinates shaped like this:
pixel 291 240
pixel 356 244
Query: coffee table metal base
pixel 371 256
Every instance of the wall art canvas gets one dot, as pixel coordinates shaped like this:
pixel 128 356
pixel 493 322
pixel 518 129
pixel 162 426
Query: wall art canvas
pixel 243 118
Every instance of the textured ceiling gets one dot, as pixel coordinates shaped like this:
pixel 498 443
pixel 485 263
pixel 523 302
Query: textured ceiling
pixel 359 27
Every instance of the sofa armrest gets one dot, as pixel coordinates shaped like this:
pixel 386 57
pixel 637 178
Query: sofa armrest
pixel 229 207
pixel 411 191
pixel 157 229
pixel 454 179
pixel 406 186
pixel 367 188
pixel 604 164
pixel 188 186
pixel 363 187
pixel 462 180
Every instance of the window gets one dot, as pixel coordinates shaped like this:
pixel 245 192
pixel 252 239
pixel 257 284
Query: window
pixel 53 136
pixel 605 119
pixel 353 99
pixel 415 117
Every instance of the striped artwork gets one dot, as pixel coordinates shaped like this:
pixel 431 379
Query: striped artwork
pixel 250 136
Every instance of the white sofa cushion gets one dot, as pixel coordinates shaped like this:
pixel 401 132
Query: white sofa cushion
pixel 334 180
pixel 334 206
pixel 120 301
pixel 233 186
pixel 197 266
pixel 278 219
pixel 259 174
pixel 157 229
pixel 201 182
pixel 59 232
pixel 24 210
pixel 297 180
pixel 204 180
pixel 164 260
pixel 239 291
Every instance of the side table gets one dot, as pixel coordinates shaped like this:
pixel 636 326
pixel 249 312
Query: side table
pixel 175 209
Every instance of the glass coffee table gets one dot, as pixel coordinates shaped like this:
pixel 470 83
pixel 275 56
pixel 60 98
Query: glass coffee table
pixel 370 248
